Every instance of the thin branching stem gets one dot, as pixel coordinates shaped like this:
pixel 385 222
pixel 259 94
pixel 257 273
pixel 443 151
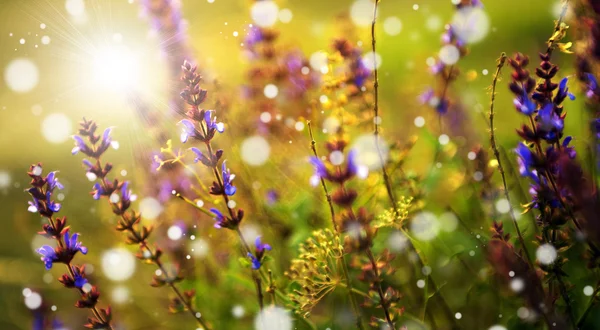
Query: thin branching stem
pixel 255 278
pixel 144 246
pixel 377 118
pixel 345 272
pixel 386 178
pixel 382 300
pixel 588 309
pixel 501 62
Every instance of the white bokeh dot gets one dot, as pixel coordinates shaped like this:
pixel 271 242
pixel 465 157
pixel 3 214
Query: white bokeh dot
pixel 361 12
pixel 75 7
pixel 21 75
pixel 285 15
pixel 367 153
pixel 503 206
pixel 271 91
pixel 33 300
pixel 174 232
pixel 255 150
pixel 449 54
pixel 444 139
pixel 588 290
pixel 424 226
pixel 118 264
pixel 5 179
pixel 264 13
pixel 419 121
pixel 546 254
pixel 120 294
pixel 57 128
pixel 371 62
pixel 471 24
pixel 150 208
pixel 273 318
pixel 392 25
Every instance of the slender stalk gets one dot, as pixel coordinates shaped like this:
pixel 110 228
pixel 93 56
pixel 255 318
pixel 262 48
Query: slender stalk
pixel 255 278
pixel 501 62
pixel 60 242
pixel 588 309
pixel 382 300
pixel 327 195
pixel 345 272
pixel 377 120
pixel 145 247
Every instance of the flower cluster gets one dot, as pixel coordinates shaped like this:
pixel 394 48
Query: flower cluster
pixel 444 68
pixel 201 124
pixel 67 247
pixel 357 225
pixel 120 197
pixel 276 75
pixel 544 110
pixel 316 270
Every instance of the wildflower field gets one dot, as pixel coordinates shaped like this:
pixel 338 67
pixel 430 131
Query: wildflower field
pixel 281 164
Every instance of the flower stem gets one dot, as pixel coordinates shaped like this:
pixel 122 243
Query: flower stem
pixel 353 301
pixel 382 300
pixel 156 260
pixel 377 118
pixel 588 309
pixel 501 62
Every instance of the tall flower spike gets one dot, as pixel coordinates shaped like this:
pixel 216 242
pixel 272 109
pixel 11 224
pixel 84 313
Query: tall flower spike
pixel 67 245
pixel 119 197
pixel 205 125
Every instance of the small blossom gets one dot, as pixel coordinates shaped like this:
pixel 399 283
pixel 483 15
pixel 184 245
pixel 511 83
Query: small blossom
pixel 220 219
pixel 125 192
pixel 49 256
pixel 98 191
pixel 526 162
pixel 229 188
pixel 320 169
pixel 563 90
pixel 188 130
pixel 72 245
pixel 255 262
pixel 198 153
pixel 525 105
pixel 211 123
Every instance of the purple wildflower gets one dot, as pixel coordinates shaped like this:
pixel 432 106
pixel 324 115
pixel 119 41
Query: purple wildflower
pixel 229 188
pixel 221 220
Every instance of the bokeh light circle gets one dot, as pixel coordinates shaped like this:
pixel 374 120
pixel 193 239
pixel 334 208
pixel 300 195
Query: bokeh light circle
pixel 367 152
pixel 471 24
pixel 118 264
pixel 264 13
pixel 57 128
pixel 273 318
pixel 255 150
pixel 21 75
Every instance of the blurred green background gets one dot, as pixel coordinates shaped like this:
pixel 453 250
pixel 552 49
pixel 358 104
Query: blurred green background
pixel 36 125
